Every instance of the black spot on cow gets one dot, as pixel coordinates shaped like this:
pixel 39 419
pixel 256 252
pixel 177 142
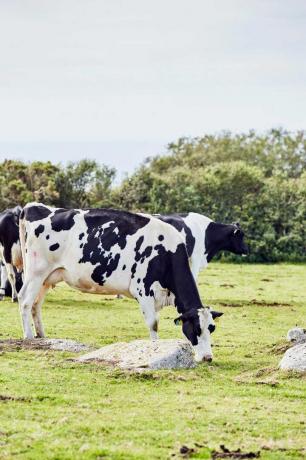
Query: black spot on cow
pixel 138 280
pixel 161 237
pixel 63 219
pixel 54 247
pixel 38 230
pixel 124 267
pixel 177 222
pixel 81 245
pixel 107 228
pixel 105 269
pixel 34 213
pixel 133 269
pixel 171 270
pixel 9 233
pixel 81 235
pixel 141 256
pixel 47 237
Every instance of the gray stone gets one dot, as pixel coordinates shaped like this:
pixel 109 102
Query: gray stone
pixel 295 358
pixel 144 354
pixel 297 334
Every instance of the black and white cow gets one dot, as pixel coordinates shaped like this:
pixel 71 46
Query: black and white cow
pixel 10 252
pixel 204 238
pixel 5 285
pixel 107 251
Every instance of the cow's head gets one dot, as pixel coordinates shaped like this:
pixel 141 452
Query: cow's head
pixel 237 244
pixel 197 326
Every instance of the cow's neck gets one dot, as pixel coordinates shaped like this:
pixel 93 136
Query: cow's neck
pixel 215 239
pixel 183 285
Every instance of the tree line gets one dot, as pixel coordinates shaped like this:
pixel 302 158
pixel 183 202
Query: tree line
pixel 256 179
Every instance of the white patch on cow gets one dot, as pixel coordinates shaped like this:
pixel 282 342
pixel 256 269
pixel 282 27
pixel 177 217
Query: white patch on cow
pixel 203 350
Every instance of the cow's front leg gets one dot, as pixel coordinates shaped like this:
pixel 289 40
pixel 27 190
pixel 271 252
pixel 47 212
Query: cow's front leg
pixel 36 313
pixel 3 275
pixel 12 279
pixel 147 305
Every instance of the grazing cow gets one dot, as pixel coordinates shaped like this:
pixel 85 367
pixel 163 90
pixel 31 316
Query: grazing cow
pixel 107 251
pixel 10 253
pixel 5 285
pixel 205 238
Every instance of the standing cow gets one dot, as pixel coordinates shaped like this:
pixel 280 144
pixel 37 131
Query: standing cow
pixel 204 238
pixel 107 251
pixel 10 253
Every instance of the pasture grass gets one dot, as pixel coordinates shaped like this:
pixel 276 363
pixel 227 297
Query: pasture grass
pixel 54 408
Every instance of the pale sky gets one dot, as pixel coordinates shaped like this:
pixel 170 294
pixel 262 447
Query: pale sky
pixel 116 80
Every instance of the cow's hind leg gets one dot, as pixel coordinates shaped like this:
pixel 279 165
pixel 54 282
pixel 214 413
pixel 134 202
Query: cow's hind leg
pixel 27 297
pixel 36 312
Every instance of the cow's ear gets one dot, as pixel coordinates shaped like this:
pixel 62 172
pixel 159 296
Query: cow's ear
pixel 178 321
pixel 216 314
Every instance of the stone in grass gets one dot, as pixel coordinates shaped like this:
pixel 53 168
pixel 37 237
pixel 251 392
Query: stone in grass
pixel 141 355
pixel 295 358
pixel 296 334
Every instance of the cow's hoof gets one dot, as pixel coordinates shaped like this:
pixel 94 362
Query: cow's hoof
pixel 1 297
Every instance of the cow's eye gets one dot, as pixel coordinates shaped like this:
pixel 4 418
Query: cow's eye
pixel 211 328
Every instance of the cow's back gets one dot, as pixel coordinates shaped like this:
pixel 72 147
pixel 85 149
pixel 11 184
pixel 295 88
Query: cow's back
pixel 95 250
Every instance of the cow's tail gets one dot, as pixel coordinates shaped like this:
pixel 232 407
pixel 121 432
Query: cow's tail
pixel 22 237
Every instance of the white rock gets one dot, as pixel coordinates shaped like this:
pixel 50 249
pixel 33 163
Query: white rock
pixel 144 354
pixel 297 334
pixel 295 358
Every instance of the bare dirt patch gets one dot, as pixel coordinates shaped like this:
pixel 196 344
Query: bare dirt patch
pixel 280 347
pixel 264 376
pixel 231 305
pixel 226 453
pixel 43 344
pixel 262 303
pixel 6 398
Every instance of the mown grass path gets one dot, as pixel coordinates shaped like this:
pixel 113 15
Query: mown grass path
pixel 53 408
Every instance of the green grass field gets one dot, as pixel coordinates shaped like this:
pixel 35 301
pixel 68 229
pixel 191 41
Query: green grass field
pixel 53 408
